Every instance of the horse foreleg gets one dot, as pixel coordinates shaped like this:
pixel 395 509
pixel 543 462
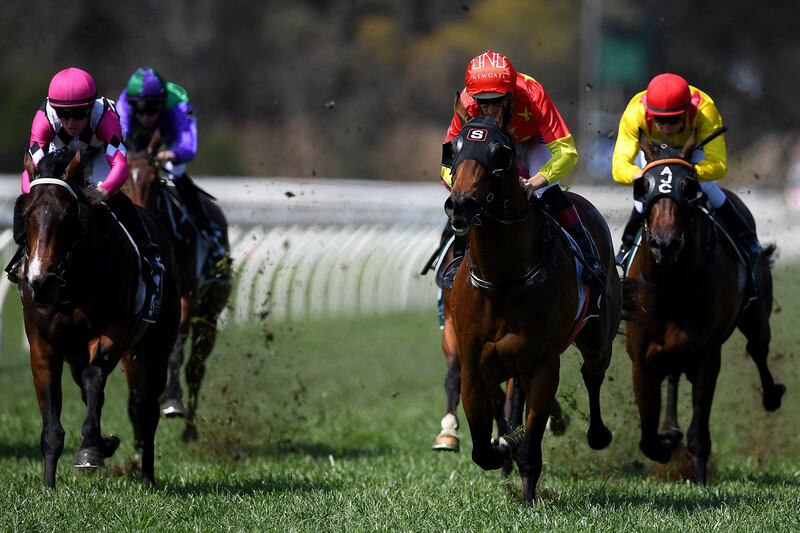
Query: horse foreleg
pixel 647 388
pixel 47 368
pixel 204 334
pixel 671 433
pixel 447 439
pixel 134 402
pixel 704 381
pixel 479 407
pixel 594 372
pixel 94 448
pixel 528 453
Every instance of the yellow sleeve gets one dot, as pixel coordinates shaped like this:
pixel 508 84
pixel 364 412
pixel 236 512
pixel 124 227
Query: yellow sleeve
pixel 563 160
pixel 715 164
pixel 447 176
pixel 623 168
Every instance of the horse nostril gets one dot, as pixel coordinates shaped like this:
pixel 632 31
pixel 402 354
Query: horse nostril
pixel 471 206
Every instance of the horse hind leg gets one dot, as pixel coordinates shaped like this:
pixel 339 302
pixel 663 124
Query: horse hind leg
pixel 594 371
pixel 671 434
pixel 558 421
pixel 447 439
pixel 172 399
pixel 754 324
pixel 204 335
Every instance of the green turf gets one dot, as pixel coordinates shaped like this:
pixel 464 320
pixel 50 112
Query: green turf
pixel 328 427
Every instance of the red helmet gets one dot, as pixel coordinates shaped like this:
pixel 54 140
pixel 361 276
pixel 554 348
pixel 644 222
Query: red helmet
pixel 490 75
pixel 71 87
pixel 667 94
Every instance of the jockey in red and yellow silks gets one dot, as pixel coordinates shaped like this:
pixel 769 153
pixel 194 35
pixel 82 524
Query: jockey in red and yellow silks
pixel 536 120
pixel 544 146
pixel 670 110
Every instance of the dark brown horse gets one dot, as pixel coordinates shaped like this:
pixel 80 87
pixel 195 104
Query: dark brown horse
pixel 516 299
pixel 204 288
pixel 689 289
pixel 78 285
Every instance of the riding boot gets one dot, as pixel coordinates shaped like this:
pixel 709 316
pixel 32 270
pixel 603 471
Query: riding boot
pixel 212 233
pixel 20 230
pixel 594 274
pixel 126 213
pixel 745 237
pixel 632 227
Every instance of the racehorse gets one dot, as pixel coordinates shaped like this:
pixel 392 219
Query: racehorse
pixel 688 284
pixel 204 288
pixel 516 299
pixel 508 407
pixel 79 285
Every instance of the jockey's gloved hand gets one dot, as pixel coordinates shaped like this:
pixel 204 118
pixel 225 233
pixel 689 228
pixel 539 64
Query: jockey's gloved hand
pixel 166 155
pixel 95 195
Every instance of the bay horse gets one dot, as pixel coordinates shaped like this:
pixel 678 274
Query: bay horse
pixel 203 291
pixel 516 300
pixel 688 287
pixel 78 285
pixel 508 406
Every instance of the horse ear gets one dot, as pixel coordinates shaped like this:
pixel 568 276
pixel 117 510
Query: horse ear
pixel 645 146
pixel 27 163
pixel 72 168
pixel 640 187
pixel 501 156
pixel 460 110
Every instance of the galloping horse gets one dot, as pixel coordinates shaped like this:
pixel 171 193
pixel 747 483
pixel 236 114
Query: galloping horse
pixel 79 286
pixel 688 283
pixel 204 291
pixel 516 300
pixel 508 406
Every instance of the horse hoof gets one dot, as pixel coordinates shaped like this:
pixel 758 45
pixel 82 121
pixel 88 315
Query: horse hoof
pixel 656 452
pixel 772 400
pixel 558 426
pixel 445 442
pixel 173 408
pixel 189 434
pixel 90 458
pixel 110 445
pixel 671 437
pixel 599 439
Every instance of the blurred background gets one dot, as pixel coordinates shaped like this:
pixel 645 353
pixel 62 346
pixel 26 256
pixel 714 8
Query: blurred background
pixel 364 89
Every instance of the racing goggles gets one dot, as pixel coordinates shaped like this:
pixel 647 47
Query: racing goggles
pixel 147 107
pixel 670 119
pixel 75 113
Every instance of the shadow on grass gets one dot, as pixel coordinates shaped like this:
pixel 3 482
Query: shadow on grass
pixel 20 450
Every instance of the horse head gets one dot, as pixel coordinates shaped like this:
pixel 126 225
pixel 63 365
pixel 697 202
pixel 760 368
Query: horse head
pixel 142 187
pixel 669 191
pixel 482 158
pixel 56 220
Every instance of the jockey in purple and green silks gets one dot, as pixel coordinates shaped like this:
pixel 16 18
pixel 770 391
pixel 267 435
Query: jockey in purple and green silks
pixel 149 103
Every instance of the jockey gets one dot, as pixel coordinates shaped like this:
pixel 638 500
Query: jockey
pixel 545 149
pixel 669 111
pixel 149 103
pixel 73 117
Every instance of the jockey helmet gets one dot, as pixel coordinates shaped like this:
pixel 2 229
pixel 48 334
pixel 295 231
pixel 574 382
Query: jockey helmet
pixel 667 94
pixel 71 87
pixel 490 75
pixel 146 84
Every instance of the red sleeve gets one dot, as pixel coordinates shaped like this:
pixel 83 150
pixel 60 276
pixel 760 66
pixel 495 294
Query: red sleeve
pixel 551 124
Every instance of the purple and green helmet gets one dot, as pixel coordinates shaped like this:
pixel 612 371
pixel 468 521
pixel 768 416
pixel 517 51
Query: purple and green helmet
pixel 146 84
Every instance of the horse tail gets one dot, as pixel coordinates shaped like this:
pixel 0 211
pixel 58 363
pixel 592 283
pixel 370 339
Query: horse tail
pixel 767 257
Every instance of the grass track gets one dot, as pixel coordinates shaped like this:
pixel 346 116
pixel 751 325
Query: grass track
pixel 328 427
